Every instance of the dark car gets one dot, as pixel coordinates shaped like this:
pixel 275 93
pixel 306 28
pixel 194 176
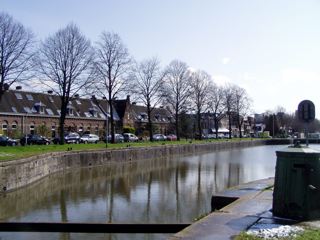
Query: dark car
pixel 34 140
pixel 72 138
pixel 6 141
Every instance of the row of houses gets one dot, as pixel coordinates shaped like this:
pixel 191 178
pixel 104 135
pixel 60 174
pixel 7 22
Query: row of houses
pixel 23 112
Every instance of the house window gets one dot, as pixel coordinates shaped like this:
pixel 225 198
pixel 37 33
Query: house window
pixel 14 125
pixel 53 131
pixel 39 107
pixel 27 109
pixel 70 111
pixel 14 109
pixel 78 102
pixel 5 126
pixel 87 114
pixel 32 128
pixel 29 97
pixel 49 111
pixel 18 96
pixel 51 99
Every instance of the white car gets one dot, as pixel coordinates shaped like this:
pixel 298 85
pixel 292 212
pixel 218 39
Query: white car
pixel 89 138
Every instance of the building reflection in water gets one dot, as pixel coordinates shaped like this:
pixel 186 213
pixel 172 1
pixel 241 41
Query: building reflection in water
pixel 159 191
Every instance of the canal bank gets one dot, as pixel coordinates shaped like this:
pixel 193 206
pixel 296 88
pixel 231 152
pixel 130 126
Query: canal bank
pixel 251 205
pixel 19 173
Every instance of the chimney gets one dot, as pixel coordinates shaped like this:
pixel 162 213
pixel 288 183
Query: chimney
pixel 128 98
pixel 18 87
pixel 6 86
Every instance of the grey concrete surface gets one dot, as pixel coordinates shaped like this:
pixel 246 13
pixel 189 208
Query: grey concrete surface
pixel 253 206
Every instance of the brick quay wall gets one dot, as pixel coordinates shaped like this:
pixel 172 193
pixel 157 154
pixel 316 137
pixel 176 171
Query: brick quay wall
pixel 19 173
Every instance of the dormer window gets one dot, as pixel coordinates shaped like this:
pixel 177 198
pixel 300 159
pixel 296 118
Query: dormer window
pixel 18 96
pixel 70 110
pixel 29 97
pixel 144 116
pixel 39 107
pixel 93 111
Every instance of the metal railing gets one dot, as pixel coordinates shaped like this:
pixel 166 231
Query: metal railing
pixel 91 227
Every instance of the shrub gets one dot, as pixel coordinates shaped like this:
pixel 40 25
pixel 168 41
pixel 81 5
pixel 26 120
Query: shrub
pixel 128 129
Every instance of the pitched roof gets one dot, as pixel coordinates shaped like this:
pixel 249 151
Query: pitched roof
pixel 44 104
pixel 157 115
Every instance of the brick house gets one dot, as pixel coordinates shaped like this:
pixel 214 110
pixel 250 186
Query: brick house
pixel 134 115
pixel 23 112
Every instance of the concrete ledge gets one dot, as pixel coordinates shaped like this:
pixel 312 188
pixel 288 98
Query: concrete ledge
pixel 19 173
pixel 254 200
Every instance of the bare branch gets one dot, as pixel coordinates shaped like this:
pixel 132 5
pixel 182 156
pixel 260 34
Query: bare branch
pixel 16 52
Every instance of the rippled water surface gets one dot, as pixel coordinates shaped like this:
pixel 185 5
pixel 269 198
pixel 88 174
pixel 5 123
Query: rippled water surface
pixel 172 190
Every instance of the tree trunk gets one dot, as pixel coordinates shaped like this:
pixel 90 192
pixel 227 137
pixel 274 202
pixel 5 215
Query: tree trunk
pixel 177 126
pixel 216 126
pixel 111 118
pixel 199 125
pixel 61 123
pixel 239 126
pixel 150 123
pixel 229 115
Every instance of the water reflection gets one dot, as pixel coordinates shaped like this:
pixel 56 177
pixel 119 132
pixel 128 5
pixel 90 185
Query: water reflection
pixel 160 191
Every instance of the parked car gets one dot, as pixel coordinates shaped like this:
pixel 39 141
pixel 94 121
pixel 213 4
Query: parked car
pixel 130 137
pixel 118 138
pixel 159 137
pixel 89 138
pixel 72 138
pixel 34 140
pixel 171 137
pixel 6 141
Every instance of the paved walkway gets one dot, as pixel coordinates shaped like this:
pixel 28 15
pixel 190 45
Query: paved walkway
pixel 250 209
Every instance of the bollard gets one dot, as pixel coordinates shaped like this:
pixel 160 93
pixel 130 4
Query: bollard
pixel 296 192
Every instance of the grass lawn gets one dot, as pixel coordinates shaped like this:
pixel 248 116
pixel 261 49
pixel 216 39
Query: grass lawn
pixel 18 152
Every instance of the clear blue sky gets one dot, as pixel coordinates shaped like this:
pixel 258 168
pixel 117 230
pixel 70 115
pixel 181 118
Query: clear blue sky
pixel 269 47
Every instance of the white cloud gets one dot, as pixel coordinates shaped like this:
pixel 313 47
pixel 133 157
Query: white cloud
pixel 221 79
pixel 225 60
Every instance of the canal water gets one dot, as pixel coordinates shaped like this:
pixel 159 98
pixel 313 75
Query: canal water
pixel 173 190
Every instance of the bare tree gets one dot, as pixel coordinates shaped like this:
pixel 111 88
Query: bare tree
pixel 200 85
pixel 228 102
pixel 64 61
pixel 216 105
pixel 147 81
pixel 242 104
pixel 111 65
pixel 177 90
pixel 16 44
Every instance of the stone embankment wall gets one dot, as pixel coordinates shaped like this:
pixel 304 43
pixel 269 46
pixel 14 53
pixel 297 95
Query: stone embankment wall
pixel 19 173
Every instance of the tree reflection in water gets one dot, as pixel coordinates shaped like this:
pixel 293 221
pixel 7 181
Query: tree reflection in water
pixel 156 191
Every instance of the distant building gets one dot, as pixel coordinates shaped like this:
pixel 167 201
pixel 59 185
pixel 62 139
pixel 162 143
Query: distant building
pixel 134 115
